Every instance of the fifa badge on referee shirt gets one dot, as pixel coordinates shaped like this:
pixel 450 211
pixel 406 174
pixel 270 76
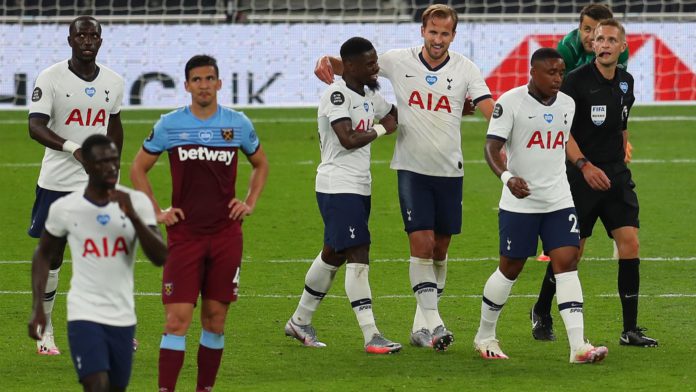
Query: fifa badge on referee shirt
pixel 598 114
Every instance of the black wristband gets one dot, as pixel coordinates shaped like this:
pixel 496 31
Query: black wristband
pixel 580 163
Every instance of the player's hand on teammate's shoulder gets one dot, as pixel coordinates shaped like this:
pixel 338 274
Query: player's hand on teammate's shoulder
pixel 323 70
pixel 37 323
pixel 239 209
pixel 170 216
pixel 595 177
pixel 518 186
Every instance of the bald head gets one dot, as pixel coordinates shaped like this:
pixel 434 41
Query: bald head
pixel 84 19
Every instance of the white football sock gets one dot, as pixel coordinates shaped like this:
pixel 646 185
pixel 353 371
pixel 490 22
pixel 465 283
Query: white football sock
pixel 569 297
pixel 425 289
pixel 360 297
pixel 317 283
pixel 440 269
pixel 495 294
pixel 50 298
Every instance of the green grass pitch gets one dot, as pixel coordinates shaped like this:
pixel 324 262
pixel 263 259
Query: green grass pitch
pixel 285 233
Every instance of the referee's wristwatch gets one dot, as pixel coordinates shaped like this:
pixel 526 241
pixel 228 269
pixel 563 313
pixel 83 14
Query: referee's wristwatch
pixel 580 163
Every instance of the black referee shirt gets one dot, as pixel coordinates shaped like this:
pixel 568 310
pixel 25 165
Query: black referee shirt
pixel 601 111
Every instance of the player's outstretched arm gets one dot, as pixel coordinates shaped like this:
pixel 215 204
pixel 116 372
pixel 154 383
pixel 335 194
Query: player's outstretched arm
pixel 142 164
pixel 594 176
pixel 491 151
pixel 39 131
pixel 150 238
pixel 327 67
pixel 257 181
pixel 49 248
pixel 115 131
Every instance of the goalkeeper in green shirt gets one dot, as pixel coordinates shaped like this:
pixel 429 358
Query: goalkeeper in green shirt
pixel 576 46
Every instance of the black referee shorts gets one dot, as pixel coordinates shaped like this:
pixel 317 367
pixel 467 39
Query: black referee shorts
pixel 617 207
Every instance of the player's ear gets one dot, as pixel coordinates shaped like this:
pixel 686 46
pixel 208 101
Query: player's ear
pixel 186 86
pixel 218 84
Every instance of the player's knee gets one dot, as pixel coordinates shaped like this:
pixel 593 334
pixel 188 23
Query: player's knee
pixel 422 245
pixel 628 247
pixel 97 382
pixel 177 324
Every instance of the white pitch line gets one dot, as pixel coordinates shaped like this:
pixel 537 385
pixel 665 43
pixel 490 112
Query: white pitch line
pixel 404 260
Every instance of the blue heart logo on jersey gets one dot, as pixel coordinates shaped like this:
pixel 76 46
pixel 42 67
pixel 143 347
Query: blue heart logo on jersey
pixel 548 118
pixel 90 91
pixel 103 219
pixel 431 79
pixel 624 87
pixel 366 106
pixel 205 135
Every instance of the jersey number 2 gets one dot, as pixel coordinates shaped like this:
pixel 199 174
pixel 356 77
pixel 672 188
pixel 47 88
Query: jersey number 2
pixel 574 219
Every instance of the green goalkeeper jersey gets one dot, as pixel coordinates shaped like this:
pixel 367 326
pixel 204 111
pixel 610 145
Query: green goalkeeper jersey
pixel 574 53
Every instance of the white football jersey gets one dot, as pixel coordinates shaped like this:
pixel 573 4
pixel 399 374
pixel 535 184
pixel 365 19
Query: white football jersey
pixel 341 170
pixel 77 109
pixel 103 245
pixel 536 137
pixel 430 103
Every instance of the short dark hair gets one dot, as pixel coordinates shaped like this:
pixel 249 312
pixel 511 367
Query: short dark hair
pixel 596 12
pixel 201 60
pixel 355 47
pixel 84 18
pixel 543 54
pixel 92 141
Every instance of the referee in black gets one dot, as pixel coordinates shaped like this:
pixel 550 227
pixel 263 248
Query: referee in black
pixel 599 179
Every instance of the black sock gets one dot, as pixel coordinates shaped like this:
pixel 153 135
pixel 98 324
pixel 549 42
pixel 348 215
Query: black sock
pixel 548 289
pixel 629 286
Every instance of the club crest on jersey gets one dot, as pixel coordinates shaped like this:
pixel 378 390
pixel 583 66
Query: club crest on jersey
pixel 205 135
pixel 624 87
pixel 366 106
pixel 431 79
pixel 598 114
pixel 168 288
pixel 227 134
pixel 548 117
pixel 103 219
pixel 90 91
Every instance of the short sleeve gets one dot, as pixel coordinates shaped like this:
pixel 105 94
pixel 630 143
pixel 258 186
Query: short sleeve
pixel 157 141
pixel 118 99
pixel 338 106
pixel 502 119
pixel 477 89
pixel 250 140
pixel 143 206
pixel 55 222
pixel 42 96
pixel 382 107
pixel 568 86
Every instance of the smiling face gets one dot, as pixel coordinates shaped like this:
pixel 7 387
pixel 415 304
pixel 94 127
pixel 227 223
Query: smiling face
pixel 364 69
pixel 609 43
pixel 85 39
pixel 438 33
pixel 203 84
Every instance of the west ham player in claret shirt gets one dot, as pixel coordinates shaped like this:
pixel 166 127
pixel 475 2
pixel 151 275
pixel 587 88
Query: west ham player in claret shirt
pixel 103 224
pixel 72 100
pixel 533 122
pixel 204 223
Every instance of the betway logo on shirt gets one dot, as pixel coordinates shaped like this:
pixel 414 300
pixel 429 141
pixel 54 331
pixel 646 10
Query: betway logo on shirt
pixel 204 154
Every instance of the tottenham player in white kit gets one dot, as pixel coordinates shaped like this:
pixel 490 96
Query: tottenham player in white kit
pixel 346 116
pixel 533 122
pixel 102 224
pixel 431 85
pixel 71 100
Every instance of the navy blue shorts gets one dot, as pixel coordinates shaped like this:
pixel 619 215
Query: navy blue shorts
pixel 430 203
pixel 345 218
pixel 39 213
pixel 519 232
pixel 98 348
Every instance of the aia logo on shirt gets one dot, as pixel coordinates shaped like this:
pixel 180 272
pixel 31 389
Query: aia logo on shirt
pixel 88 118
pixel 364 125
pixel 103 248
pixel 547 141
pixel 428 101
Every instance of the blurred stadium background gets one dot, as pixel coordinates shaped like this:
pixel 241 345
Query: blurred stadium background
pixel 267 48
